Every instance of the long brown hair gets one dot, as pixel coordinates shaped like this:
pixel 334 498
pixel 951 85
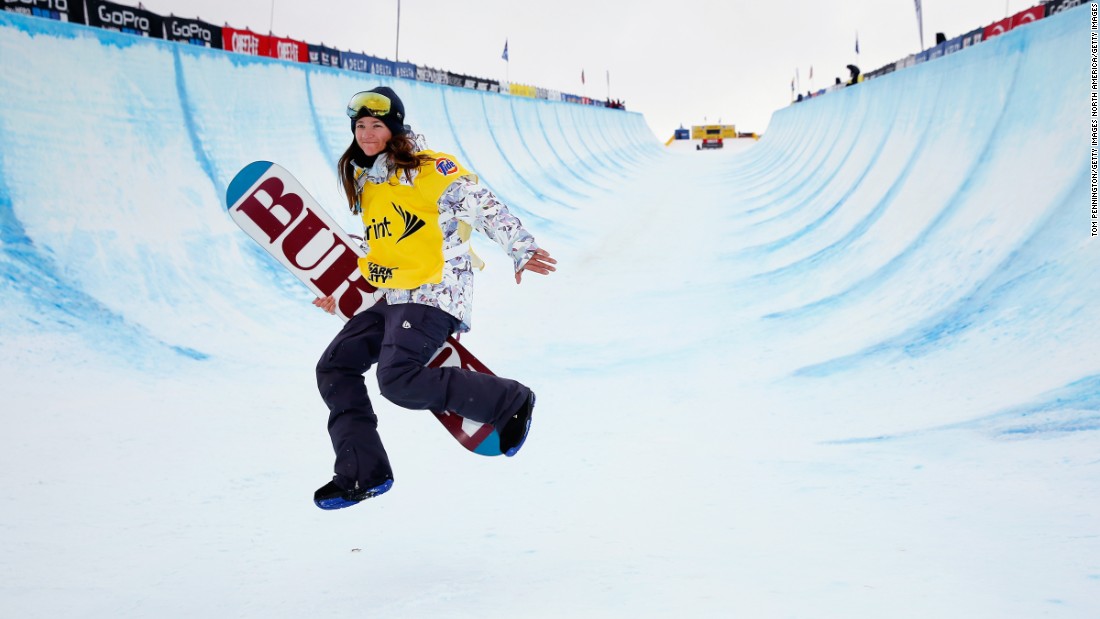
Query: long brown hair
pixel 402 151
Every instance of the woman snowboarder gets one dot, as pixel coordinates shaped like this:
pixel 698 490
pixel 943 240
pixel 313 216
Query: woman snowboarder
pixel 418 209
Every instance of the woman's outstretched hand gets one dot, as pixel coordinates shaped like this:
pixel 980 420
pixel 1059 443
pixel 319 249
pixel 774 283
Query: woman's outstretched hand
pixel 540 263
pixel 327 303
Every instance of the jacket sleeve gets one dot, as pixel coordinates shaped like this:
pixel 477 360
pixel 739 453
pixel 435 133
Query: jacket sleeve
pixel 478 206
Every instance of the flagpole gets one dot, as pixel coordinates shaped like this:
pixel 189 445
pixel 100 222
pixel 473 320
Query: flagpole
pixel 397 47
pixel 507 65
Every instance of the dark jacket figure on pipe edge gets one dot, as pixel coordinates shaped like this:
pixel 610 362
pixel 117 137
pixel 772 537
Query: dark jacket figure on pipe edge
pixel 390 179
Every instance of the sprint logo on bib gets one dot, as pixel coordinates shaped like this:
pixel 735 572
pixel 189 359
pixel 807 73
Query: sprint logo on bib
pixel 445 166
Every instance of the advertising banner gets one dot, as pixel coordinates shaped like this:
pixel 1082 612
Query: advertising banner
pixel 973 37
pixel 192 31
pixel 324 56
pixel 428 74
pixel 288 49
pixel 379 66
pixel 406 70
pixel 953 45
pixel 245 42
pixel 1028 16
pixel 355 62
pixel 998 28
pixel 1057 6
pixel 61 10
pixel 122 18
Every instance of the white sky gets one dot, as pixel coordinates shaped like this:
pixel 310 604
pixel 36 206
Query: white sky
pixel 682 62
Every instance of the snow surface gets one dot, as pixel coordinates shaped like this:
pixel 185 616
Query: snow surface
pixel 848 372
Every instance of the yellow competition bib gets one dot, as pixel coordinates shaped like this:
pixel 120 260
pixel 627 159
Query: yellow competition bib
pixel 401 225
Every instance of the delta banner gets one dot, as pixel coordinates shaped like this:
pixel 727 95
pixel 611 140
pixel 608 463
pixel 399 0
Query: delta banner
pixel 193 32
pixel 380 66
pixel 287 49
pixel 122 18
pixel 1057 6
pixel 953 45
pixel 245 42
pixel 60 10
pixel 406 70
pixel 324 56
pixel 355 62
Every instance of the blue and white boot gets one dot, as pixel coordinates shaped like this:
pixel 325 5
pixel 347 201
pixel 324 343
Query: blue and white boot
pixel 331 496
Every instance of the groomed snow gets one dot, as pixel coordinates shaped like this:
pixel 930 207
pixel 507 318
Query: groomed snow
pixel 849 371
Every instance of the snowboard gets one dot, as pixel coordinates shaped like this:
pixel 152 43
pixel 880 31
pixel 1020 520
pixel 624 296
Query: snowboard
pixel 273 208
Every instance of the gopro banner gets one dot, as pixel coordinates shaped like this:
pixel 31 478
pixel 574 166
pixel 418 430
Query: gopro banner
pixel 122 18
pixel 1057 6
pixel 193 31
pixel 245 42
pixel 61 10
pixel 324 56
pixel 355 62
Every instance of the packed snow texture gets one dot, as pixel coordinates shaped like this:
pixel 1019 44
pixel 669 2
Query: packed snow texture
pixel 849 371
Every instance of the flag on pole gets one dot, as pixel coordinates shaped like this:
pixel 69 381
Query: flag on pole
pixel 505 54
pixel 582 76
pixel 857 41
pixel 811 72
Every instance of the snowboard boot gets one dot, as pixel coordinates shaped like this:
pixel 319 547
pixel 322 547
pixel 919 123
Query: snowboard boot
pixel 331 496
pixel 514 432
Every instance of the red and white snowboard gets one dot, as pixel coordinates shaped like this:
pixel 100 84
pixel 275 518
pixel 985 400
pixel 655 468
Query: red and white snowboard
pixel 273 208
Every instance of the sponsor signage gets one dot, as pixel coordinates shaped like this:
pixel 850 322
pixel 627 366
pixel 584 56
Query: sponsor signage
pixel 122 18
pixel 245 42
pixel 379 66
pixel 288 49
pixel 192 31
pixel 973 37
pixel 324 56
pixel 1057 6
pixel 998 28
pixel 355 62
pixel 61 10
pixel 1026 17
pixel 406 70
pixel 953 45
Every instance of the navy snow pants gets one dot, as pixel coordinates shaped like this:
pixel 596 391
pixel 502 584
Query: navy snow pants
pixel 400 339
